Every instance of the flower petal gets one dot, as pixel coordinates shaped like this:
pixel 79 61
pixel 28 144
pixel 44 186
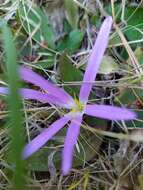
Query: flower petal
pixel 42 97
pixel 46 135
pixel 95 59
pixel 70 141
pixel 4 90
pixel 36 95
pixel 32 77
pixel 109 112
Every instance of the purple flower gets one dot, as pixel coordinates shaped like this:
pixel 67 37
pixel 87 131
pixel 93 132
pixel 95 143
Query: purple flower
pixel 55 95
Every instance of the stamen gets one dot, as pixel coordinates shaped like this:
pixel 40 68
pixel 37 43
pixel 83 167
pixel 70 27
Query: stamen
pixel 79 106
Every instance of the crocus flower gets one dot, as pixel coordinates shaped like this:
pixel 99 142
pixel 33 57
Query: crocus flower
pixel 55 95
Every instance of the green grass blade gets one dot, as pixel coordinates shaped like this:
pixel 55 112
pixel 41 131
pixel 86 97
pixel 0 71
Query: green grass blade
pixel 15 105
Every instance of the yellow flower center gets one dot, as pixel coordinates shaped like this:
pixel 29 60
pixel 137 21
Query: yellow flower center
pixel 79 106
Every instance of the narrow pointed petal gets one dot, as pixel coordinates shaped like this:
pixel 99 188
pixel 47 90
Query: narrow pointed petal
pixel 29 94
pixel 95 59
pixel 42 97
pixel 70 141
pixel 46 135
pixel 110 112
pixel 3 90
pixel 32 77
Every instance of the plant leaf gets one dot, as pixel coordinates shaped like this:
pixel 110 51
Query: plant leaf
pixel 133 17
pixel 69 73
pixel 72 42
pixel 36 24
pixel 15 105
pixel 71 13
pixel 108 65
